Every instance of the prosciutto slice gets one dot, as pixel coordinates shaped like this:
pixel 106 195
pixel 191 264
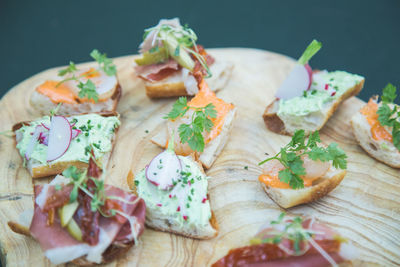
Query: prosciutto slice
pixel 157 72
pixel 283 254
pixel 60 247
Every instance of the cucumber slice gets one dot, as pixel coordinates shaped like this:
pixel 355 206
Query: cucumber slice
pixel 152 58
pixel 74 230
pixel 66 212
pixel 176 50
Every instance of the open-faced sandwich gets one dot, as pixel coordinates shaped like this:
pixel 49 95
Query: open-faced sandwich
pixel 52 143
pixel 307 99
pixel 201 126
pixel 170 59
pixel 92 89
pixel 175 190
pixel 294 242
pixel 77 218
pixel 377 127
pixel 303 171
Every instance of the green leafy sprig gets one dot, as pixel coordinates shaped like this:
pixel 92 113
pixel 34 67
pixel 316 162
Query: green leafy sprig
pixel 186 39
pixel 389 113
pixel 290 157
pixel 293 231
pixel 192 133
pixel 88 89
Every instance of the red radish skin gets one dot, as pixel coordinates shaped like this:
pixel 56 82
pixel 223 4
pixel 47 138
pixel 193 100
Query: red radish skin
pixel 60 136
pixel 75 133
pixel 298 81
pixel 310 73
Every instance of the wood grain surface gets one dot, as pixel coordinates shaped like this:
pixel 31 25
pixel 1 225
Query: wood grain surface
pixel 365 207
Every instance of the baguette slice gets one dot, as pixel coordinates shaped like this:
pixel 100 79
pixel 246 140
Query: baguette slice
pixel 38 169
pixel 174 85
pixel 287 198
pixel 160 221
pixel 44 105
pixel 212 149
pixel 381 150
pixel 310 122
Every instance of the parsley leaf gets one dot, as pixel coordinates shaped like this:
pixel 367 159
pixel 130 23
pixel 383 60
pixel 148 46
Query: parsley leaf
pixel 192 133
pixel 105 63
pixel 88 90
pixel 70 69
pixel 389 113
pixel 178 109
pixel 291 155
pixel 389 93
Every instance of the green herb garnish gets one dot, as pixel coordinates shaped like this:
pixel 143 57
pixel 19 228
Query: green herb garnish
pixel 192 133
pixel 310 51
pixel 88 90
pixel 105 63
pixel 290 157
pixel 389 113
pixel 293 231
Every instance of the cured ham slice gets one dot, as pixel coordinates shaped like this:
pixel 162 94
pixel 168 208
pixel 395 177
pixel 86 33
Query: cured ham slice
pixel 157 72
pixel 60 247
pixel 324 248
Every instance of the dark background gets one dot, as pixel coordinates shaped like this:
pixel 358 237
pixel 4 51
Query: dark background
pixel 362 37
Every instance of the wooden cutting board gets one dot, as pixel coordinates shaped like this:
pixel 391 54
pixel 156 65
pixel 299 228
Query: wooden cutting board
pixel 365 207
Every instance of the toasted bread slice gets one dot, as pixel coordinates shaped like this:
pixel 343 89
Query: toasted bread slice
pixel 44 105
pixel 160 221
pixel 310 122
pixel 287 198
pixel 37 169
pixel 174 86
pixel 381 150
pixel 212 149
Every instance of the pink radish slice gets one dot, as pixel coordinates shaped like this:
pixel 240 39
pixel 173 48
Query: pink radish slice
pixel 60 136
pixel 32 142
pixel 164 169
pixel 298 81
pixel 75 133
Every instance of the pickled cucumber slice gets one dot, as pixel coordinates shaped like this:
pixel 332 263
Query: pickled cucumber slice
pixel 155 57
pixel 66 212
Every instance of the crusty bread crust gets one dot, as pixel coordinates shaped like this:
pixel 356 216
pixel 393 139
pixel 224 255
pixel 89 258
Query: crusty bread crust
pixel 37 170
pixel 43 104
pixel 164 225
pixel 362 133
pixel 212 149
pixel 112 252
pixel 173 86
pixel 287 198
pixel 275 124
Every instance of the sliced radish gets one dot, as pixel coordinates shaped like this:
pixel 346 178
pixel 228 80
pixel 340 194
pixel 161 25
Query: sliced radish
pixel 75 133
pixel 32 142
pixel 164 170
pixel 310 74
pixel 60 136
pixel 298 81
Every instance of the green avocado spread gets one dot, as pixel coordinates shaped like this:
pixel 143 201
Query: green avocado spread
pixel 315 99
pixel 96 132
pixel 186 202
